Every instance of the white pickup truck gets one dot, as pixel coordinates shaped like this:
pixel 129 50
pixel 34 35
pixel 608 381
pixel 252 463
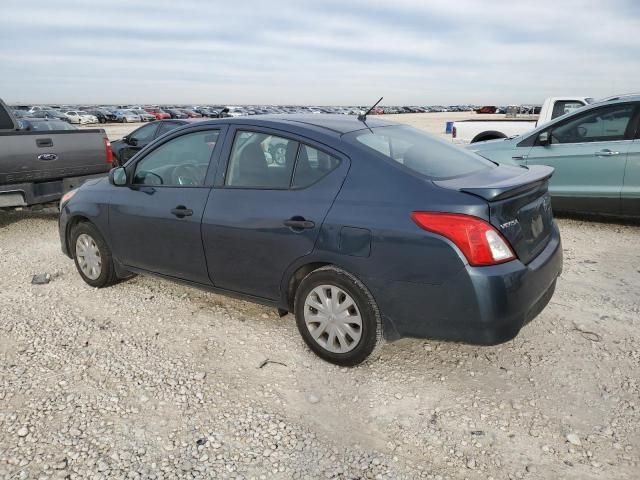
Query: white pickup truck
pixel 471 131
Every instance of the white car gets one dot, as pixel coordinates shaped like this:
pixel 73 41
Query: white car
pixel 80 117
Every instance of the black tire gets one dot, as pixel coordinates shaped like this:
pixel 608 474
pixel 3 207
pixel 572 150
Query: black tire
pixel 371 339
pixel 107 275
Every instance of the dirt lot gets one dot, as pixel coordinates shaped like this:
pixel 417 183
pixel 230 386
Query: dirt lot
pixel 150 379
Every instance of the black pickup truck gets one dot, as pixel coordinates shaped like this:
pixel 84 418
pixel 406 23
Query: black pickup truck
pixel 40 166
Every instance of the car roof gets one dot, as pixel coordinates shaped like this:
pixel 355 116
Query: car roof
pixel 336 123
pixel 625 97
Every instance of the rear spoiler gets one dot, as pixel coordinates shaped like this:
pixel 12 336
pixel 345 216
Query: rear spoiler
pixel 499 183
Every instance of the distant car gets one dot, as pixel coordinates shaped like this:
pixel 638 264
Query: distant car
pixel 74 116
pixel 131 144
pixel 158 113
pixel 487 109
pixel 99 114
pixel 366 231
pixel 80 117
pixel 126 116
pixel 24 114
pixel 42 124
pixel 175 113
pixel 595 152
pixel 144 115
pixel 190 113
pixel 54 114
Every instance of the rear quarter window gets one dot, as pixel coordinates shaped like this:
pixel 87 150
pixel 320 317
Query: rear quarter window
pixel 420 152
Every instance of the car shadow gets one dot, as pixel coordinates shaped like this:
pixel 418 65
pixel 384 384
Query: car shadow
pixel 9 217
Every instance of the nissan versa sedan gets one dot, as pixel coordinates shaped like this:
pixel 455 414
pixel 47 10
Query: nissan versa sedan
pixel 366 230
pixel 595 152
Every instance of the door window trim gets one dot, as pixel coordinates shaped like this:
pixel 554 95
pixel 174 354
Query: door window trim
pixel 214 159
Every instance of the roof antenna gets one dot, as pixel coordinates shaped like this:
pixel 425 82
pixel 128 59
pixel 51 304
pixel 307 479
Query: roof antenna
pixel 363 116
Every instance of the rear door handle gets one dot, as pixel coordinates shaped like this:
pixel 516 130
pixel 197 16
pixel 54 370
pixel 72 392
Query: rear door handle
pixel 181 211
pixel 606 153
pixel 44 142
pixel 299 223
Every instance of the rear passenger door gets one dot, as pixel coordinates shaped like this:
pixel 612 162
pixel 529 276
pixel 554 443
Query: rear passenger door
pixel 267 208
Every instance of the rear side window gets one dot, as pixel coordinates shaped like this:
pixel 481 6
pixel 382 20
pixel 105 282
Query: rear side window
pixel 421 152
pixel 311 166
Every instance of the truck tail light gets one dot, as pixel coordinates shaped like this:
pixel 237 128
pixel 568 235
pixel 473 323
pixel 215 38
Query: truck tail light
pixel 478 240
pixel 108 150
pixel 454 132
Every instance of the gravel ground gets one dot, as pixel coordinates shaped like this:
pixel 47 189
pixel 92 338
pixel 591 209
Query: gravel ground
pixel 150 379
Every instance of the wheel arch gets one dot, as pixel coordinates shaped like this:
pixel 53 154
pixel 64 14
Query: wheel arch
pixel 488 135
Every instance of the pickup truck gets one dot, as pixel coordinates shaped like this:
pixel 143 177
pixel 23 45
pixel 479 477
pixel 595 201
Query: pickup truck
pixel 40 166
pixel 471 131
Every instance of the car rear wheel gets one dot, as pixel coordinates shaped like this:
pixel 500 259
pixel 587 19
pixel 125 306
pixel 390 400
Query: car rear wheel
pixel 92 256
pixel 338 317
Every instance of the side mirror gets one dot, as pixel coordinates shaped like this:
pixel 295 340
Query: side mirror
pixel 132 141
pixel 118 177
pixel 544 138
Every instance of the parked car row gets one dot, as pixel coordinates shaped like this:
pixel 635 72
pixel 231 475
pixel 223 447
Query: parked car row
pixel 86 114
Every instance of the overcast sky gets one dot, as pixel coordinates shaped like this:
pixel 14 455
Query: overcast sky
pixel 321 52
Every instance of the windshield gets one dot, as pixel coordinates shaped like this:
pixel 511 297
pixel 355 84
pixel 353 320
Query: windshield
pixel 421 152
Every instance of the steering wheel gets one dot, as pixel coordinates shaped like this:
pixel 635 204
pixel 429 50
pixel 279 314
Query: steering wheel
pixel 186 174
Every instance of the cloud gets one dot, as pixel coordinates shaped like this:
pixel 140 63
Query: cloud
pixel 330 52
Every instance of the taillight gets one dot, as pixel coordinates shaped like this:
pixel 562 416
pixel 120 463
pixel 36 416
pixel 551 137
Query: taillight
pixel 109 151
pixel 478 240
pixel 454 132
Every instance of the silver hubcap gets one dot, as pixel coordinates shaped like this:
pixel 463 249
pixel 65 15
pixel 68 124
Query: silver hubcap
pixel 333 319
pixel 88 256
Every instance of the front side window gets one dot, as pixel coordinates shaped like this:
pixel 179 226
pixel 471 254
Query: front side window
pixel 420 151
pixel 261 160
pixel 182 161
pixel 598 125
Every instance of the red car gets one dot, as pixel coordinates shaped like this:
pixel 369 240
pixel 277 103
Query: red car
pixel 487 109
pixel 159 114
pixel 190 113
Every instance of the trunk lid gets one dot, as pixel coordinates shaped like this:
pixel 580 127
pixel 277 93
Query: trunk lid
pixel 519 204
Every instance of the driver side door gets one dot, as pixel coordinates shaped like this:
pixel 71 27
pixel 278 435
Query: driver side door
pixel 154 220
pixel 588 151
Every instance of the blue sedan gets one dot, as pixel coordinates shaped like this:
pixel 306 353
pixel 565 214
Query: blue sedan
pixel 366 230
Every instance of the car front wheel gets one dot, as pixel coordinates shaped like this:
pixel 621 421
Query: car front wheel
pixel 92 256
pixel 338 317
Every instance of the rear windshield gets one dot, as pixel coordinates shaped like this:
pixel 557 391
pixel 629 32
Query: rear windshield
pixel 35 125
pixel 421 152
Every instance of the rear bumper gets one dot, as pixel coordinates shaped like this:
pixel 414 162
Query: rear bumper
pixel 479 305
pixel 25 194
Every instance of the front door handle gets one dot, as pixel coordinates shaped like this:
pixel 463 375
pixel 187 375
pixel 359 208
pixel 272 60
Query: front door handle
pixel 181 211
pixel 299 223
pixel 606 153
